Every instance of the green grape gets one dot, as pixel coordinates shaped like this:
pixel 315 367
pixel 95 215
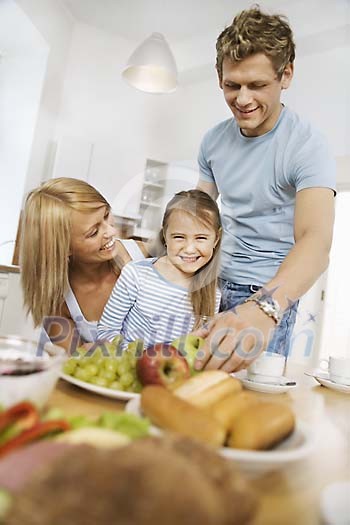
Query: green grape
pixel 116 341
pixel 81 350
pixel 126 379
pixel 110 349
pixel 106 374
pixel 97 357
pixel 111 364
pixel 116 385
pixel 86 361
pixel 70 366
pixel 132 361
pixel 136 347
pixel 123 368
pixel 135 386
pixel 82 374
pixel 91 369
pixel 99 381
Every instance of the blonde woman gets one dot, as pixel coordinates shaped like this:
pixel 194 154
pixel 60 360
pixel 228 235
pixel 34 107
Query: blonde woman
pixel 70 259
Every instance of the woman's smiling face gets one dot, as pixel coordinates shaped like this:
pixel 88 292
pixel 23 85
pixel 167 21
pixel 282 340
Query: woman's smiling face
pixel 252 91
pixel 93 235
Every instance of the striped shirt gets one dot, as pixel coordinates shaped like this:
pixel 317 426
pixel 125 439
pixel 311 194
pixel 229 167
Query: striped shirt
pixel 144 305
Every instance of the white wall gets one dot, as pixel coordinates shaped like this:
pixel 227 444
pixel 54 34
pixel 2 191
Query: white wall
pixel 100 109
pixel 23 62
pixel 55 25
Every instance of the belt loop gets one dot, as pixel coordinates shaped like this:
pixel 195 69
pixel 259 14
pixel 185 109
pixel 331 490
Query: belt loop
pixel 254 288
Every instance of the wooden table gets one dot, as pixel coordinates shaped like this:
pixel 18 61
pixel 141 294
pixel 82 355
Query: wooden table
pixel 289 497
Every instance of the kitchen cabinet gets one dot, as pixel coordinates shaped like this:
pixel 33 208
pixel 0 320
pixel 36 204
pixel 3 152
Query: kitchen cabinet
pixel 152 200
pixel 13 319
pixel 161 181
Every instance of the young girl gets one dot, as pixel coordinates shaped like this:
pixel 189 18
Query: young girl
pixel 159 299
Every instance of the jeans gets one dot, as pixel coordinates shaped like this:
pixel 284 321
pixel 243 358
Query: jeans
pixel 233 294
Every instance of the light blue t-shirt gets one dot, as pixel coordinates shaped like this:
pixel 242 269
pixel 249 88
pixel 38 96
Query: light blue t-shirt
pixel 257 178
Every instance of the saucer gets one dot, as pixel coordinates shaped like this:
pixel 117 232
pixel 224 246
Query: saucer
pixel 266 388
pixel 322 377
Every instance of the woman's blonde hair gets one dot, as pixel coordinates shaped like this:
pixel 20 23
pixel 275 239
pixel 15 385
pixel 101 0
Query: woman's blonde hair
pixel 253 31
pixel 203 208
pixel 46 240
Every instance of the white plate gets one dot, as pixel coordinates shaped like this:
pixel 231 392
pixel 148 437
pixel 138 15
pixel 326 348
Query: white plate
pixel 256 462
pixel 101 390
pixel 323 378
pixel 335 504
pixel 265 388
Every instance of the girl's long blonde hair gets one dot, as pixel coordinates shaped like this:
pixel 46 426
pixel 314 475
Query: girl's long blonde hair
pixel 203 208
pixel 46 239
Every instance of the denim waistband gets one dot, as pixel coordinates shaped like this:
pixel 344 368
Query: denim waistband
pixel 248 288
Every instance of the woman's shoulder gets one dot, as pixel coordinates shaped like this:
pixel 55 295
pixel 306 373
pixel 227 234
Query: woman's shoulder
pixel 131 249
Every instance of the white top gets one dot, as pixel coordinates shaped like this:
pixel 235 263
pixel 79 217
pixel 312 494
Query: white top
pixel 144 305
pixel 88 329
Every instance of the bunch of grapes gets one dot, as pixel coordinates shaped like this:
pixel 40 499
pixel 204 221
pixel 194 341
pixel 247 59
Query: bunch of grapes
pixel 107 366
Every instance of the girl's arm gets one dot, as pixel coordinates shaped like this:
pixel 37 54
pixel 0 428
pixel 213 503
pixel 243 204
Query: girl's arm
pixel 119 304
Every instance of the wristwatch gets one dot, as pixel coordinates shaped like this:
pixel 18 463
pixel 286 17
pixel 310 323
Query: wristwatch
pixel 268 305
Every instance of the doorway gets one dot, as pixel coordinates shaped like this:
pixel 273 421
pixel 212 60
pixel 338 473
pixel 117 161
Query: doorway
pixel 335 332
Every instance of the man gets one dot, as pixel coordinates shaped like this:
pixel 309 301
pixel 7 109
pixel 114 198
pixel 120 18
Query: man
pixel 276 178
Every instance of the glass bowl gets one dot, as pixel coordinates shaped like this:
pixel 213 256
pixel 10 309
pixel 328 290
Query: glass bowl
pixel 28 372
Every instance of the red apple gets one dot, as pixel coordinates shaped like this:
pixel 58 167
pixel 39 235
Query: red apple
pixel 162 364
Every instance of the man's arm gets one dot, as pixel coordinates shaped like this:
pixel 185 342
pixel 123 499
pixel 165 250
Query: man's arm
pixel 309 257
pixel 208 187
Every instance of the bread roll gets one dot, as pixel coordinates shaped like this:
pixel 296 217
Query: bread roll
pixel 260 427
pixel 208 387
pixel 169 412
pixel 227 410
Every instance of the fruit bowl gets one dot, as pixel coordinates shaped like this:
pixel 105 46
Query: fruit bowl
pixel 27 373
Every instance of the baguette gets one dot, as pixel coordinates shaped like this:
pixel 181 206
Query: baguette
pixel 262 428
pixel 170 412
pixel 228 409
pixel 207 388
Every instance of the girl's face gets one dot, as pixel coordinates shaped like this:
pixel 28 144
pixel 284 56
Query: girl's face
pixel 93 235
pixel 190 243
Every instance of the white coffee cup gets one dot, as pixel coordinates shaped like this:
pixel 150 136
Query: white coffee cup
pixel 267 368
pixel 339 370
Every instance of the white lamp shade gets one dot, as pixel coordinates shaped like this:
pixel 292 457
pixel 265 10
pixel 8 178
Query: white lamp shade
pixel 152 66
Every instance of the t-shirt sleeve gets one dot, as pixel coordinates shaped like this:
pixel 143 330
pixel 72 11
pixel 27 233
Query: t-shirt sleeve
pixel 205 171
pixel 119 303
pixel 314 165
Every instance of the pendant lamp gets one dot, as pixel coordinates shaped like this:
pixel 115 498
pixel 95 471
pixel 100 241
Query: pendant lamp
pixel 151 67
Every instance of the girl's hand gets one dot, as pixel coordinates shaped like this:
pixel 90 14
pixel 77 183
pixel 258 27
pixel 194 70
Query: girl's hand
pixel 235 338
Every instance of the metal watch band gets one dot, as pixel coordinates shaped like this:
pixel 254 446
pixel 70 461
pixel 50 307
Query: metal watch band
pixel 268 305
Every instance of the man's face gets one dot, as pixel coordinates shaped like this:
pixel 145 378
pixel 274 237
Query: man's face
pixel 252 91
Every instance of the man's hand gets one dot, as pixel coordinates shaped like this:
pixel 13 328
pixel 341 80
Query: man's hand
pixel 235 338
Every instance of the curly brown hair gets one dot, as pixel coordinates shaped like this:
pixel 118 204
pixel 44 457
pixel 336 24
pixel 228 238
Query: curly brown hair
pixel 253 31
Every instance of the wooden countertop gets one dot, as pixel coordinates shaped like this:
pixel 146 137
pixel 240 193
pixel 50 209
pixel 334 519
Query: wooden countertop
pixel 9 269
pixel 289 497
